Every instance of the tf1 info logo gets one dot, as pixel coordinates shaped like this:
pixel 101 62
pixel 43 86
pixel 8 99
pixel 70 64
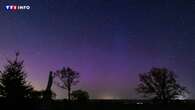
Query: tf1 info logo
pixel 17 7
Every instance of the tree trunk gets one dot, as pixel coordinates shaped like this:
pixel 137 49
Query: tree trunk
pixel 69 90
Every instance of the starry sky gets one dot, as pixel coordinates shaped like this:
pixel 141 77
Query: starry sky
pixel 109 42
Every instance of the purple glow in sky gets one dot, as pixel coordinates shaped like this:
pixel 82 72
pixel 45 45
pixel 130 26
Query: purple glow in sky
pixel 109 42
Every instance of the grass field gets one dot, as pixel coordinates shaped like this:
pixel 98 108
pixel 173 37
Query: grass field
pixel 103 105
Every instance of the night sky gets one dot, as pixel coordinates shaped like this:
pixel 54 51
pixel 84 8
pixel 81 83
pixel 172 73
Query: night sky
pixel 109 42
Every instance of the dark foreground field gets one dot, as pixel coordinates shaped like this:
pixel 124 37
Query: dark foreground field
pixel 100 105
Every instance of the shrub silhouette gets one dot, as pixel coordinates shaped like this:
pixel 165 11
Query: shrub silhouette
pixel 39 95
pixel 80 95
pixel 160 84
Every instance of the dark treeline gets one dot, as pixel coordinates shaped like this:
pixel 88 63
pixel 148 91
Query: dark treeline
pixel 158 86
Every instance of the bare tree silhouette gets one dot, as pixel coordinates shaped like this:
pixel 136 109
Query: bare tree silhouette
pixel 160 84
pixel 68 78
pixel 47 93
